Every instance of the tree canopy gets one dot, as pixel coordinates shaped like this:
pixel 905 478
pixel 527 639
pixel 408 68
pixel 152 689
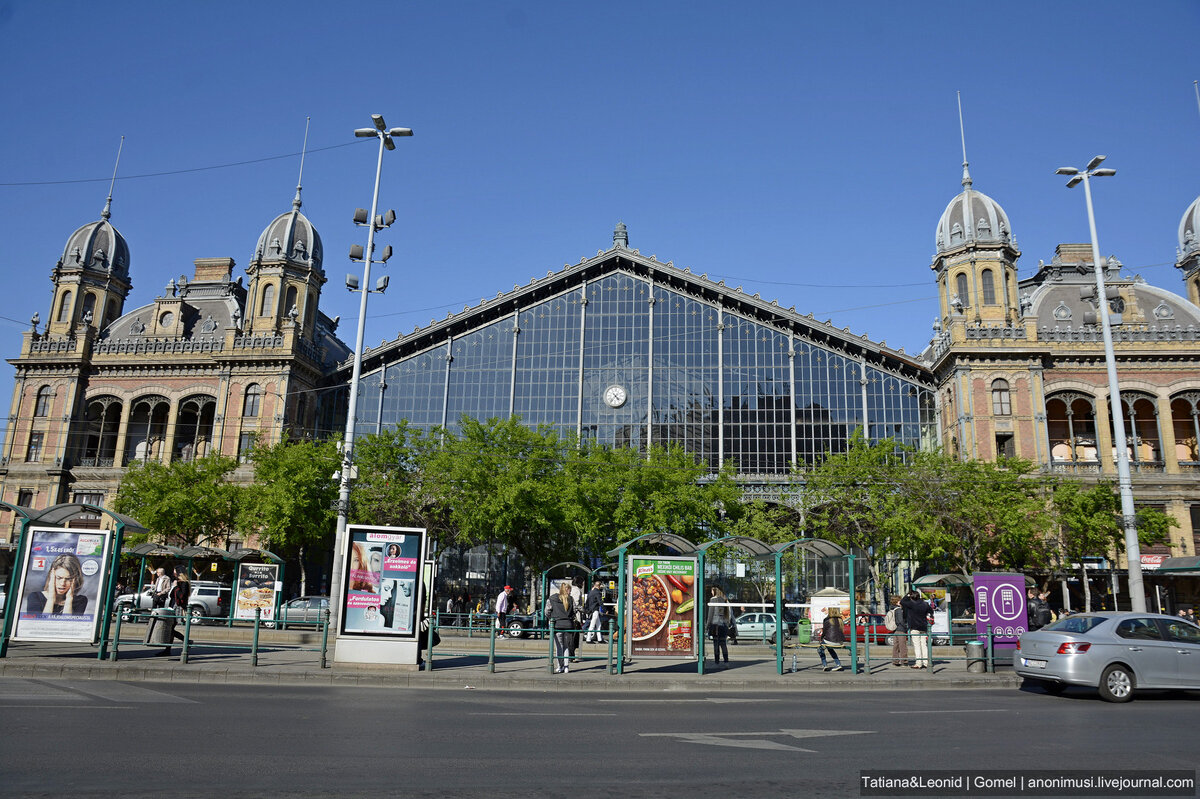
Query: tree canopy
pixel 184 503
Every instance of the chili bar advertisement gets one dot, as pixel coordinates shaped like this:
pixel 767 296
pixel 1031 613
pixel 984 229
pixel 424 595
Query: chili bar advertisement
pixel 662 607
pixel 383 572
pixel 63 574
pixel 257 589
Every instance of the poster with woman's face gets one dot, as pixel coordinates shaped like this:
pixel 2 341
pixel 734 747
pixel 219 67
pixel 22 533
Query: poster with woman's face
pixel 63 573
pixel 381 580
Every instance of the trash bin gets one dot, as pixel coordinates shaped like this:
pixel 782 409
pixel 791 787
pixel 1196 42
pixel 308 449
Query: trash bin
pixel 976 664
pixel 161 629
pixel 804 631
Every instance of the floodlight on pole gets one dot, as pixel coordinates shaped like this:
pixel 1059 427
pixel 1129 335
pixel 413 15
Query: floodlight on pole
pixel 1133 552
pixel 363 218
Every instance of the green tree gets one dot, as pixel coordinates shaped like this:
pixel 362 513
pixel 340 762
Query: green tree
pixel 614 494
pixel 867 499
pixel 392 487
pixel 1090 525
pixel 183 503
pixel 291 505
pixel 978 515
pixel 494 484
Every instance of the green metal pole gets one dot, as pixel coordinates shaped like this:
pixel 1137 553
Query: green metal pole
pixel 781 629
pixel 702 604
pixel 106 595
pixel 853 618
pixel 12 599
pixel 116 641
pixel 621 609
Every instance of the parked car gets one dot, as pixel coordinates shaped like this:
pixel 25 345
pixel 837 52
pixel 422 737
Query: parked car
pixel 1117 653
pixel 208 601
pixel 303 610
pixel 756 627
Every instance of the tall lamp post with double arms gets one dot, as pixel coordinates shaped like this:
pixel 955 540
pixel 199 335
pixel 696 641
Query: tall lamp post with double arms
pixel 372 223
pixel 1133 553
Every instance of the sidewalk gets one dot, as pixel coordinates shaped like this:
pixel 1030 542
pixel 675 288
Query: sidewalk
pixel 222 655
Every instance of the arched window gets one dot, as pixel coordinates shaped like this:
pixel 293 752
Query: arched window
pixel 268 300
pixel 1001 399
pixel 989 287
pixel 42 406
pixel 110 314
pixel 1185 420
pixel 960 286
pixel 290 301
pixel 1071 424
pixel 89 305
pixel 64 307
pixel 253 404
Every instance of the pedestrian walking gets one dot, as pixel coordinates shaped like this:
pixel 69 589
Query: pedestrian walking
pixel 502 603
pixel 895 622
pixel 593 609
pixel 562 616
pixel 833 635
pixel 718 620
pixel 577 615
pixel 917 613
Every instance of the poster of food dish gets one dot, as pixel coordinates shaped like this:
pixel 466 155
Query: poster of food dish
pixel 661 619
pixel 382 589
pixel 257 589
pixel 63 574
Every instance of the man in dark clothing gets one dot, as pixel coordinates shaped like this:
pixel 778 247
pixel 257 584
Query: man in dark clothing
pixel 593 611
pixel 917 613
pixel 1033 606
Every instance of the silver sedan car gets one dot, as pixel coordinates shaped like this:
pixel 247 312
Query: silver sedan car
pixel 1115 652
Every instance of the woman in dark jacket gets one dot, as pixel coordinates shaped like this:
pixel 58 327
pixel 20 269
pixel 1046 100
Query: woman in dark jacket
pixel 833 635
pixel 917 613
pixel 562 616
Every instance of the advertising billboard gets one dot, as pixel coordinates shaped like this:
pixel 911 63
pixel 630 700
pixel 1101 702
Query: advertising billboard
pixel 62 577
pixel 662 607
pixel 1000 603
pixel 257 589
pixel 383 580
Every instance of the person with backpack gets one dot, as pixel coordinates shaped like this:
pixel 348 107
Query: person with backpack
pixel 895 623
pixel 917 615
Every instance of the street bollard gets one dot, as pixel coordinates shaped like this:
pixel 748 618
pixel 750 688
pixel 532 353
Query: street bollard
pixel 325 641
pixel 116 641
pixel 492 650
pixel 254 641
pixel 187 637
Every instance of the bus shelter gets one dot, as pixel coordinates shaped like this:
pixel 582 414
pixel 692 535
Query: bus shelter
pixel 61 516
pixel 806 547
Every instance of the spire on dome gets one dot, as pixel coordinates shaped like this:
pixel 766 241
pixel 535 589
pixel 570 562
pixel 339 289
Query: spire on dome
pixel 303 149
pixel 107 212
pixel 966 178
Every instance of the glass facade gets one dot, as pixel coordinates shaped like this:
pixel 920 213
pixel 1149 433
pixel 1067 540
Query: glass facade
pixel 626 361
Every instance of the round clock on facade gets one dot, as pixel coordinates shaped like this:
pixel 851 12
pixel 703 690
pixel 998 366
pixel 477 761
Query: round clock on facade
pixel 615 396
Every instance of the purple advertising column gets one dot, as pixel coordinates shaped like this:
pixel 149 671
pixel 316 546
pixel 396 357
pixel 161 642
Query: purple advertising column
pixel 1000 602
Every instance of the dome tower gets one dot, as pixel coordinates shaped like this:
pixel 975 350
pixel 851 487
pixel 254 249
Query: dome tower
pixel 1188 255
pixel 285 275
pixel 91 279
pixel 976 260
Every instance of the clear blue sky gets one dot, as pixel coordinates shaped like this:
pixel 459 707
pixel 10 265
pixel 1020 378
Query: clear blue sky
pixel 804 151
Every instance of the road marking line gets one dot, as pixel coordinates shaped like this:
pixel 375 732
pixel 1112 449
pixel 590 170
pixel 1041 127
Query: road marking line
pixel 541 714
pixel 714 699
pixel 72 707
pixel 984 710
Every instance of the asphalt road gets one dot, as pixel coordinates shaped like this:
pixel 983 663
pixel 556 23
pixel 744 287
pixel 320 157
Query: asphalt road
pixel 107 738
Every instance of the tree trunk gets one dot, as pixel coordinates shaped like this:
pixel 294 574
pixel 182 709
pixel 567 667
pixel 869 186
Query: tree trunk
pixel 1087 589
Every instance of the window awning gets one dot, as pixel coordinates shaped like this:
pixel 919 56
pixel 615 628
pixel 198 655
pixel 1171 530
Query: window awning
pixel 1180 567
pixel 942 579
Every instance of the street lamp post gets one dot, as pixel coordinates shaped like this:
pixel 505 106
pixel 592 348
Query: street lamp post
pixel 372 223
pixel 1133 554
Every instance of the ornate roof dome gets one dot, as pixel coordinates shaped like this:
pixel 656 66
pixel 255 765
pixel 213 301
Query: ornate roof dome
pixel 97 245
pixel 1189 229
pixel 972 218
pixel 291 237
